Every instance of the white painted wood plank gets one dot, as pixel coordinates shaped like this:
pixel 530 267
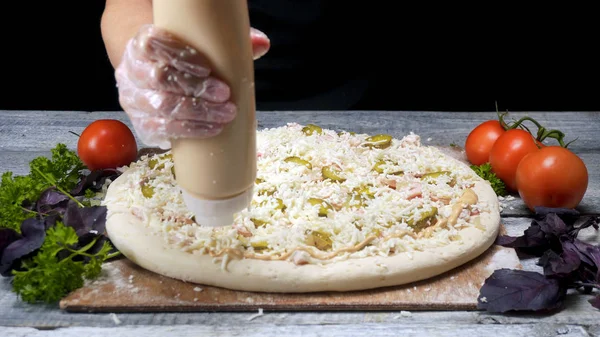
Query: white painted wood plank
pixel 253 330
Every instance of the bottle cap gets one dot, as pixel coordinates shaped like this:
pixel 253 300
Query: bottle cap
pixel 217 213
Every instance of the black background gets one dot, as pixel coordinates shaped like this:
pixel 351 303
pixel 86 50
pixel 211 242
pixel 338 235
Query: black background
pixel 526 59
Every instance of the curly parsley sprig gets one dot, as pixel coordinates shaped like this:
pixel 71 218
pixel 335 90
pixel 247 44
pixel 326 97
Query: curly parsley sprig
pixel 485 172
pixel 59 268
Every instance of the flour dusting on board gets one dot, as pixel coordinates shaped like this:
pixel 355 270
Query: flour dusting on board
pixel 503 258
pixel 113 275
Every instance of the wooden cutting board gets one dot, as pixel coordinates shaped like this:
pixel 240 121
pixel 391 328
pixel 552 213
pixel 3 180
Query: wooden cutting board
pixel 125 287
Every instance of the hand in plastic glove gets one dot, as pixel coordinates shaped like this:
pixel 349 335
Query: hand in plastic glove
pixel 167 90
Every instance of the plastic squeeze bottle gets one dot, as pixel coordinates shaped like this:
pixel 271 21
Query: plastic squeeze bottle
pixel 216 175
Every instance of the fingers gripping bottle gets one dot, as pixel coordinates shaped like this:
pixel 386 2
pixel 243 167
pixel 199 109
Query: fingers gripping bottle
pixel 216 175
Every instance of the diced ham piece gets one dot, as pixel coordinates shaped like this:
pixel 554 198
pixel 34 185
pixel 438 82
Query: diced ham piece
pixel 242 230
pixel 300 257
pixel 414 191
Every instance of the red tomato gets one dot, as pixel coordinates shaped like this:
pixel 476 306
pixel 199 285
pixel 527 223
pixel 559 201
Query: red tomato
pixel 552 177
pixel 507 152
pixel 106 143
pixel 480 141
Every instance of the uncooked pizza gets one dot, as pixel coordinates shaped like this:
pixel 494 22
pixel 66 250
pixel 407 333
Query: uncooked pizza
pixel 332 211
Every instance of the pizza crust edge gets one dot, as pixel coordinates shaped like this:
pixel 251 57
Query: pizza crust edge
pixel 148 250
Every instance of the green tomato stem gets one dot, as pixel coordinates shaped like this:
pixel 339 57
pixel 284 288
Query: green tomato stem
pixel 501 118
pixel 542 133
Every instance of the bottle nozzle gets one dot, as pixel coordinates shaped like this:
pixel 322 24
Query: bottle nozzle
pixel 216 213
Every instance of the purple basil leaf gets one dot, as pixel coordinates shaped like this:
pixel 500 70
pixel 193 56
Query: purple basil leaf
pixel 552 224
pixel 50 220
pixel 581 248
pixel 518 290
pixel 595 302
pixel 532 237
pixel 590 222
pixel 85 219
pixel 7 236
pixel 533 241
pixel 560 265
pixel 51 199
pixel 590 254
pixel 33 234
pixel 567 215
pixel 94 181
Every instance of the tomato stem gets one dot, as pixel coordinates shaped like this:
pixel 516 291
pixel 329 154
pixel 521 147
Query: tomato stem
pixel 501 117
pixel 523 119
pixel 75 133
pixel 542 133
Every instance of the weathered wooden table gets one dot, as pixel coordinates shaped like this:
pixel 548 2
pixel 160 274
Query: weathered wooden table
pixel 25 135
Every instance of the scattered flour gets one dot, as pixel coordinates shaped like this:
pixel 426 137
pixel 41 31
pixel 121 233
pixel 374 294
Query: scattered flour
pixel 403 314
pixel 111 274
pixel 502 259
pixel 260 313
pixel 115 319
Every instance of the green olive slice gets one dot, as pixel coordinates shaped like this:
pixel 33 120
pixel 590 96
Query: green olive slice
pixel 310 129
pixel 359 197
pixel 259 245
pixel 429 177
pixel 325 207
pixel 258 223
pixel 242 239
pixel 424 221
pixel 299 161
pixel 279 202
pixel 331 173
pixel 355 200
pixel 264 191
pixel 267 191
pixel 153 163
pixel 364 190
pixel 435 174
pixel 320 240
pixel 380 141
pixel 147 191
pixel 378 168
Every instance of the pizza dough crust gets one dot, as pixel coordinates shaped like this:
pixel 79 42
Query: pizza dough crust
pixel 150 251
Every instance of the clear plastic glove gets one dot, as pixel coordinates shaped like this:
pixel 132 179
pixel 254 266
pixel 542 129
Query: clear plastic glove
pixel 167 90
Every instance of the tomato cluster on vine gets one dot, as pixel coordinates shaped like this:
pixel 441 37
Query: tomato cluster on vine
pixel 542 175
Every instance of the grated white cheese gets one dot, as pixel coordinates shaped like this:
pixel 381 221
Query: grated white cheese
pixel 282 218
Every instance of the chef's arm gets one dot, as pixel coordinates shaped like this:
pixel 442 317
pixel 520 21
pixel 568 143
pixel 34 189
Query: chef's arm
pixel 121 21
